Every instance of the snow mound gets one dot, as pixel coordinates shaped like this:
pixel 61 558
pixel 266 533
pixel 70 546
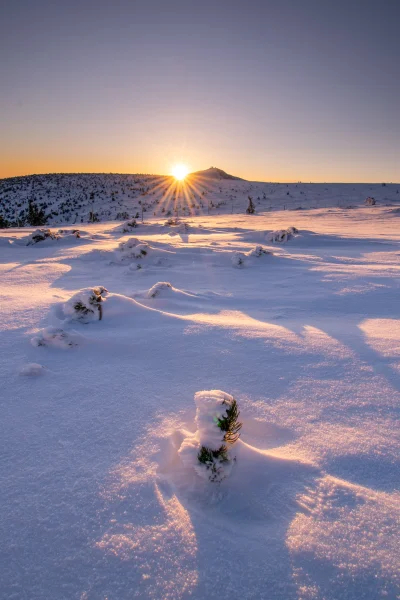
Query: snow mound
pixel 55 338
pixel 238 260
pixel 208 451
pixel 282 235
pixel 86 305
pixel 180 226
pixel 32 370
pixel 127 227
pixel 76 233
pixel 132 249
pixel 158 289
pixel 258 251
pixel 40 235
pixel 47 235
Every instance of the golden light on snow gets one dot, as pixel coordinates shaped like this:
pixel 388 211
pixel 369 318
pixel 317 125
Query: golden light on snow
pixel 180 172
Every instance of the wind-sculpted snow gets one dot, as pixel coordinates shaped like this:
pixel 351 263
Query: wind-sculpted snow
pixel 96 500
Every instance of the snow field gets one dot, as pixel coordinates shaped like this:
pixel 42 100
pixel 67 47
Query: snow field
pixel 97 501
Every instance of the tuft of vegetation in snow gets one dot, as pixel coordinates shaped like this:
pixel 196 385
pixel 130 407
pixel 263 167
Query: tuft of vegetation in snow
pixel 128 226
pixel 42 234
pixel 54 337
pixel 238 260
pixel 209 450
pixel 132 249
pixel 282 235
pixel 258 251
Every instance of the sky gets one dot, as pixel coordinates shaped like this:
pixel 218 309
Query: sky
pixel 269 90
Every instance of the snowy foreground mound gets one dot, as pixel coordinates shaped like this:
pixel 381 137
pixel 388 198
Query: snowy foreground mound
pixel 115 484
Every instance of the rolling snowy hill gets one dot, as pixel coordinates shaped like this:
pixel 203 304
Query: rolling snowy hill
pixel 76 198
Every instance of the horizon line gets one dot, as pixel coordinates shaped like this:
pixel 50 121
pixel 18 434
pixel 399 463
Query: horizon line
pixel 291 182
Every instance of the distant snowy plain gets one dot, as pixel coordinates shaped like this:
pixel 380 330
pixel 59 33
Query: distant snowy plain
pixel 95 501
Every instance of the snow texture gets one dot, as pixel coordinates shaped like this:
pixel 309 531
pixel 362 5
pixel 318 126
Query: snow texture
pixel 96 500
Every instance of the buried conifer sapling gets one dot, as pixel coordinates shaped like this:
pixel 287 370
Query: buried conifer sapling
pixel 209 450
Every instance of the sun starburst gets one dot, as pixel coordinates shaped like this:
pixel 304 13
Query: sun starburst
pixel 180 172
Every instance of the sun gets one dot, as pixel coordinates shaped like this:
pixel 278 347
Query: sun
pixel 180 172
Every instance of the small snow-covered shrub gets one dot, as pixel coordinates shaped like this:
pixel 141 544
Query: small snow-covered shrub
pixel 86 305
pixel 172 221
pixel 238 259
pixel 158 288
pixel 292 230
pixel 130 243
pixel 133 249
pixel 258 251
pixel 209 450
pixel 128 226
pixel 282 235
pixel 183 227
pixel 42 234
pixel 53 337
pixel 370 201
pixel 75 232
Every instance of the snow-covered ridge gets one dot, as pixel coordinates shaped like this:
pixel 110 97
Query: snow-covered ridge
pixel 82 198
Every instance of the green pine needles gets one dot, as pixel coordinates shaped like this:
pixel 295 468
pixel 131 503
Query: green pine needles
pixel 207 456
pixel 230 424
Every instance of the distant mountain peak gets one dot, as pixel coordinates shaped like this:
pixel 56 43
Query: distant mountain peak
pixel 215 173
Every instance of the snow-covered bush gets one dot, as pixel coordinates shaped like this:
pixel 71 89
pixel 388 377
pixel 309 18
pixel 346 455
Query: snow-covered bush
pixel 238 259
pixel 209 450
pixel 40 235
pixel 67 232
pixel 128 226
pixel 181 226
pixel 56 338
pixel 86 305
pixel 133 249
pixel 171 222
pixel 370 201
pixel 158 288
pixel 282 235
pixel 292 230
pixel 258 251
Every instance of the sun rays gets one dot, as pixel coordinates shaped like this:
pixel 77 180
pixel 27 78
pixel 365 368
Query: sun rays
pixel 180 197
